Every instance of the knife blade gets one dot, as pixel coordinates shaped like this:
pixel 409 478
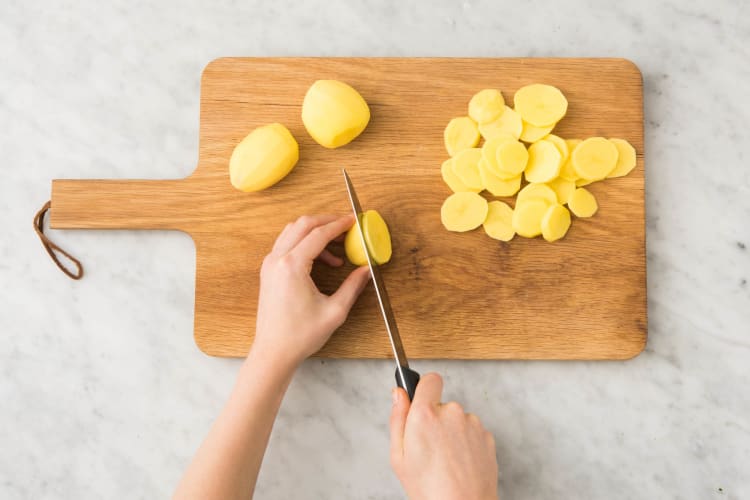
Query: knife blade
pixel 406 378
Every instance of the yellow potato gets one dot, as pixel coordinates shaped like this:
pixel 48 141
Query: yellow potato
pixel 511 157
pixel 452 180
pixel 486 105
pixel 583 182
pixel 544 162
pixel 509 122
pixel 466 168
pixel 555 223
pixel 463 212
pixel 376 236
pixel 531 133
pixel 264 157
pixel 582 203
pixel 497 185
pixel 489 149
pixel 537 192
pixel 334 113
pixel 567 171
pixel 460 133
pixel 563 189
pixel 625 158
pixel 540 105
pixel 499 221
pixel 594 158
pixel 560 144
pixel 527 217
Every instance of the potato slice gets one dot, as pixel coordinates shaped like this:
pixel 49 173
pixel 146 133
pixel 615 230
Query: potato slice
pixel 460 133
pixel 560 144
pixel 334 113
pixel 555 223
pixel 563 188
pixel 466 168
pixel 376 236
pixel 452 180
pixel 567 171
pixel 264 157
pixel 486 105
pixel 497 185
pixel 527 217
pixel 489 150
pixel 625 158
pixel 540 105
pixel 583 182
pixel 544 162
pixel 499 221
pixel 594 158
pixel 511 157
pixel 509 122
pixel 531 133
pixel 535 191
pixel 463 212
pixel 582 203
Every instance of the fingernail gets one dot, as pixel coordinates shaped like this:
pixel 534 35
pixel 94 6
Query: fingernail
pixel 394 396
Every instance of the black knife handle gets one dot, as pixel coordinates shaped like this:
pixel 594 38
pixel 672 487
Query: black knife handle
pixel 412 379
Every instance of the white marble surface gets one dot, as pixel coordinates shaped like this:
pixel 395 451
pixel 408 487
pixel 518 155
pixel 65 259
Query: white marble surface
pixel 104 395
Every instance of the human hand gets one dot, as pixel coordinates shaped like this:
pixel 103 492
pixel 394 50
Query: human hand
pixel 437 450
pixel 294 318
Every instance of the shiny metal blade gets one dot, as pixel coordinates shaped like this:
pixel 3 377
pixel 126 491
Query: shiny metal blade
pixel 380 291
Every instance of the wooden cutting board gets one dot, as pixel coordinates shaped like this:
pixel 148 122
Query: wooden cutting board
pixel 454 295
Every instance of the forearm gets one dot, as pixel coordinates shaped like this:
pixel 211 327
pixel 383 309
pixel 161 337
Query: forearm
pixel 227 463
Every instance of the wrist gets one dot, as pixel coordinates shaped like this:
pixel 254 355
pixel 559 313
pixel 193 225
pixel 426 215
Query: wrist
pixel 273 363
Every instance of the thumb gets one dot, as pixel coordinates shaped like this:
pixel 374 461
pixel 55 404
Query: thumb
pixel 352 286
pixel 399 412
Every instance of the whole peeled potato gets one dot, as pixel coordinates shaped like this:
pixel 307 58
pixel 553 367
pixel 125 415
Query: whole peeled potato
pixel 334 113
pixel 264 157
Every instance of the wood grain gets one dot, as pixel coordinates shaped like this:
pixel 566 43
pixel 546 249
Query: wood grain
pixel 454 295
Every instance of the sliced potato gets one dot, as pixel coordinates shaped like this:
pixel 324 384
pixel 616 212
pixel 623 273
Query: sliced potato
pixel 582 203
pixel 466 168
pixel 461 133
pixel 594 158
pixel 499 221
pixel 489 149
pixel 563 188
pixel 463 212
pixel 567 171
pixel 583 182
pixel 377 237
pixel 560 144
pixel 555 223
pixel 531 133
pixel 452 180
pixel 527 217
pixel 497 185
pixel 540 105
pixel 511 157
pixel 509 122
pixel 544 162
pixel 535 191
pixel 486 105
pixel 625 158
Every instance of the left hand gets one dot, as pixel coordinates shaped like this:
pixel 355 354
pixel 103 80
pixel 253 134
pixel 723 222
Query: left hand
pixel 295 319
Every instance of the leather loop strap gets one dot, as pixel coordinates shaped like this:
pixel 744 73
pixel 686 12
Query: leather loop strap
pixel 53 249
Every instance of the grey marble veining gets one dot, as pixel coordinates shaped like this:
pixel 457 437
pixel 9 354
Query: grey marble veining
pixel 102 391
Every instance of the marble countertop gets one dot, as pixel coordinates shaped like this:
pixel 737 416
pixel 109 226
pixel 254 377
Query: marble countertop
pixel 103 393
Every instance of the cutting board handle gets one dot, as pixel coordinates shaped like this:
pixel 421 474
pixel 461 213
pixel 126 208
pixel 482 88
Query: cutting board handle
pixel 120 204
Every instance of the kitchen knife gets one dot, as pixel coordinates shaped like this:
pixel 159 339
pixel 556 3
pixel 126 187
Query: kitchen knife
pixel 406 378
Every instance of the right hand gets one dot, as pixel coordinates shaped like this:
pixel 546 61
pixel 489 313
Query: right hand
pixel 437 450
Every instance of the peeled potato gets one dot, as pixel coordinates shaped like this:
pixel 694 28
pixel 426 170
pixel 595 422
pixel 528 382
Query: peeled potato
pixel 489 149
pixel 499 221
pixel 497 185
pixel 463 212
pixel 540 105
pixel 537 192
pixel 460 133
pixel 555 223
pixel 527 217
pixel 264 157
pixel 594 158
pixel 509 122
pixel 486 106
pixel 625 158
pixel 567 171
pixel 563 188
pixel 544 162
pixel 582 203
pixel 512 157
pixel 560 144
pixel 450 178
pixel 466 168
pixel 531 133
pixel 583 182
pixel 376 236
pixel 334 113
